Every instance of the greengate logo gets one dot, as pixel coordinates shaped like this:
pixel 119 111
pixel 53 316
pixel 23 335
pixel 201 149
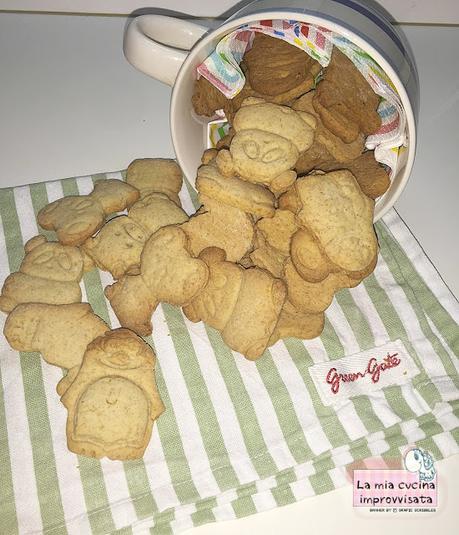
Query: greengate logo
pixel 372 370
pixel 338 380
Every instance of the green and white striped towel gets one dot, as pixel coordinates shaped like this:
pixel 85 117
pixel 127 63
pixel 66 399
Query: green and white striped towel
pixel 237 437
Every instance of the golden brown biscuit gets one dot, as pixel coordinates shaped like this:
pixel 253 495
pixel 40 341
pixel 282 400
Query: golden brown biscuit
pixel 156 210
pixel 289 201
pixel 373 179
pixel 59 332
pixel 311 297
pixel 295 324
pixel 275 66
pixel 345 101
pixel 49 273
pixel 220 225
pixel 168 273
pixel 278 230
pixel 76 218
pixel 255 314
pixel 327 146
pixel 114 195
pixel 307 257
pixel 215 303
pixel 113 400
pixel 251 198
pixel 268 258
pixel 159 175
pixel 117 246
pixel 340 217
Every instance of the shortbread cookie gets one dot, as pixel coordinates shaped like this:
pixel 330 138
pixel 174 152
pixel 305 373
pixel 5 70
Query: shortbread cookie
pixel 220 225
pixel 275 66
pixel 156 210
pixel 289 201
pixel 256 313
pixel 168 273
pixel 113 400
pixel 278 230
pixel 307 257
pixel 133 303
pixel 311 297
pixel 159 175
pixel 118 246
pixel 340 217
pixel 373 179
pixel 251 198
pixel 325 142
pixel 59 332
pixel 345 101
pixel 295 324
pixel 244 304
pixel 49 273
pixel 76 218
pixel 215 303
pixel 269 259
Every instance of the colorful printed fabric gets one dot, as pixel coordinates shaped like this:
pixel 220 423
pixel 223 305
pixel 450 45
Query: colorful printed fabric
pixel 237 437
pixel 222 69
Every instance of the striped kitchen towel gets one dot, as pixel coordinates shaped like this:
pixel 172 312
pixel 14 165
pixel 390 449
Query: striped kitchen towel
pixel 221 68
pixel 237 437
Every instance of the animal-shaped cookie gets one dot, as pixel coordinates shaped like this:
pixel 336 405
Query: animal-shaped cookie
pixel 59 332
pixel 113 399
pixel 49 273
pixel 220 225
pixel 340 218
pixel 345 101
pixel 118 245
pixel 159 175
pixel 250 198
pixel 168 273
pixel 244 304
pixel 267 143
pixel 76 218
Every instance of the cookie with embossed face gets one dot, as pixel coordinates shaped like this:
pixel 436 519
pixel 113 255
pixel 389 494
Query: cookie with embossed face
pixel 340 217
pixel 49 273
pixel 113 400
pixel 76 218
pixel 267 142
pixel 118 246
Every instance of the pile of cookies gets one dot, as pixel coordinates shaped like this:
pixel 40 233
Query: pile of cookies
pixel 286 220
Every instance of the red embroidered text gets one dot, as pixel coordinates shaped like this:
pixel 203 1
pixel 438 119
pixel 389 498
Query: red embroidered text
pixel 373 369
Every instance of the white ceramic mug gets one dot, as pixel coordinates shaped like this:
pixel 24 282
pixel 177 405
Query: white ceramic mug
pixel 170 50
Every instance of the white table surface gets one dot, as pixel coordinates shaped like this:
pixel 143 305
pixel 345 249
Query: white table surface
pixel 71 105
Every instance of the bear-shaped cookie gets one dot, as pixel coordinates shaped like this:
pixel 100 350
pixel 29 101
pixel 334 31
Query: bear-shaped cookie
pixel 59 332
pixel 49 273
pixel 244 304
pixel 76 218
pixel 168 273
pixel 113 400
pixel 268 141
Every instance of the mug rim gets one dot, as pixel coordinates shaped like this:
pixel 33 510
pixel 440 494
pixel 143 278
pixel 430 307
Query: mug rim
pixel 385 202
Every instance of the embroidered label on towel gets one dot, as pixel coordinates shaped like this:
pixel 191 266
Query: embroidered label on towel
pixel 362 373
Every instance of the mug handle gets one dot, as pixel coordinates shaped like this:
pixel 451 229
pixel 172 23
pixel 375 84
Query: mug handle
pixel 158 45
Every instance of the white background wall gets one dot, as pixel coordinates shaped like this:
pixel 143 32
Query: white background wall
pixel 419 11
